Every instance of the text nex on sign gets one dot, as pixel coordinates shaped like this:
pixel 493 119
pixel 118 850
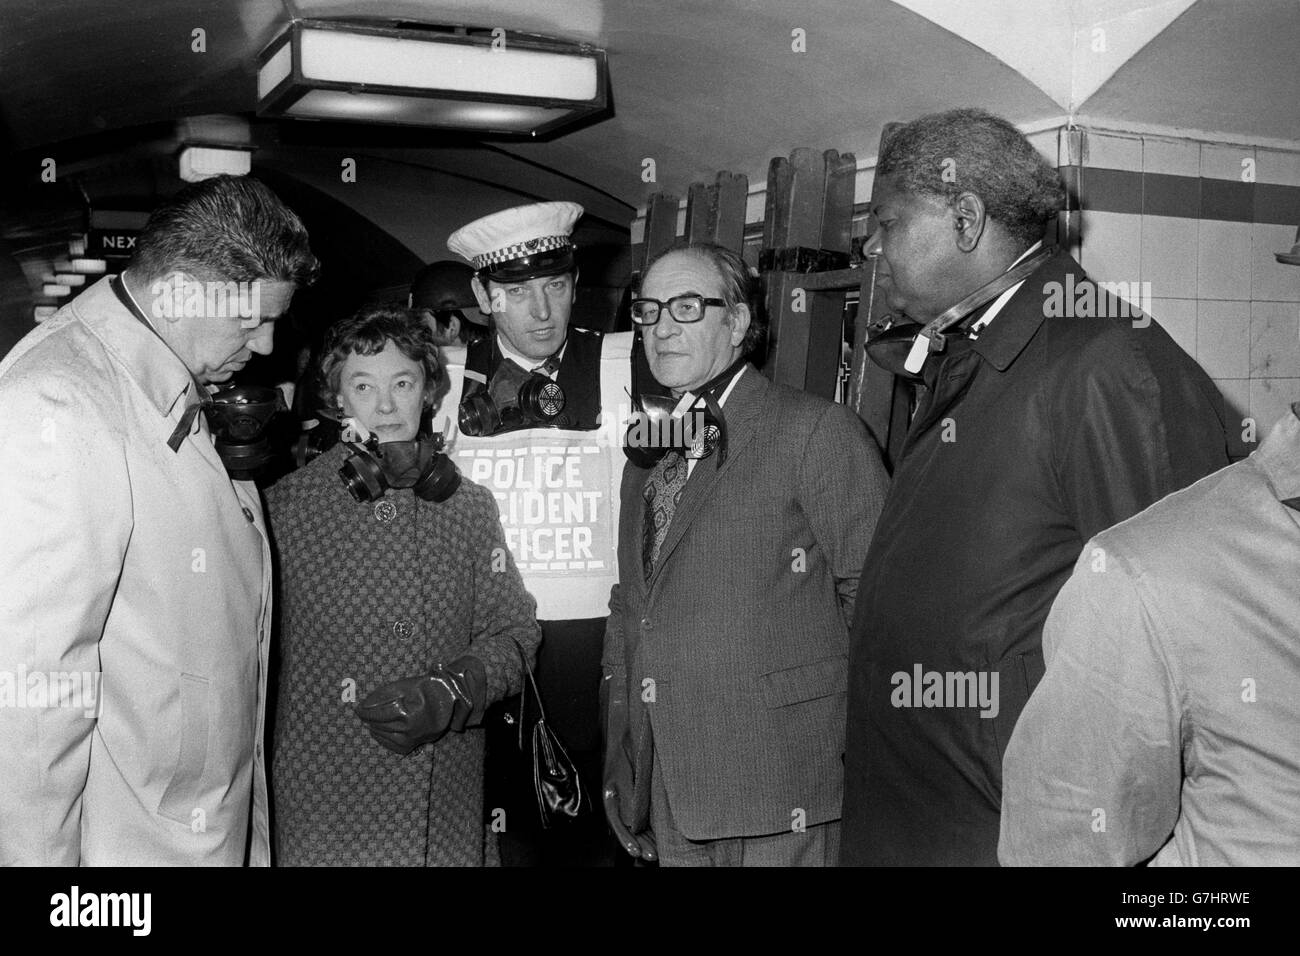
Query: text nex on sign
pixel 116 244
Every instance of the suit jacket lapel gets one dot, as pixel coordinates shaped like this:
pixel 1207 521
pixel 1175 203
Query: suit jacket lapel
pixel 743 415
pixel 634 552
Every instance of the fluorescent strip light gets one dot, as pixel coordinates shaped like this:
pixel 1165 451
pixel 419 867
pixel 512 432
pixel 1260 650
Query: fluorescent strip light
pixel 414 111
pixel 91 267
pixel 275 71
pixel 77 246
pixel 203 162
pixel 513 84
pixel 54 289
pixel 43 312
pixel 332 56
pixel 69 279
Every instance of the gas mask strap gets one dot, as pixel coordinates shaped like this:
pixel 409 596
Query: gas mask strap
pixel 708 392
pixel 715 410
pixel 186 424
pixel 931 337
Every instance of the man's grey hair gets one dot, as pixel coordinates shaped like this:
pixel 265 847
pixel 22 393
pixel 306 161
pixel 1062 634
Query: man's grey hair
pixel 738 285
pixel 970 150
pixel 226 228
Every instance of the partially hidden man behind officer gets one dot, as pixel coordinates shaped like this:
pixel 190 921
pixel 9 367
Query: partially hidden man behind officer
pixel 539 404
pixel 137 575
pixel 727 645
pixel 1051 412
pixel 442 295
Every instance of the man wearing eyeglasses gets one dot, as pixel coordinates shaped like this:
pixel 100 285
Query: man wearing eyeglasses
pixel 726 650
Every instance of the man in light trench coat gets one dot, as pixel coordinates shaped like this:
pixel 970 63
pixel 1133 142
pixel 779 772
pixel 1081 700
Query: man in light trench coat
pixel 135 609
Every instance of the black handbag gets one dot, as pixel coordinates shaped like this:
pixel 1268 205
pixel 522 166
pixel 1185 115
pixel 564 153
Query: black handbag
pixel 561 798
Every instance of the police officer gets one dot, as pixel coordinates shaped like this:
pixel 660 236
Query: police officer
pixel 536 386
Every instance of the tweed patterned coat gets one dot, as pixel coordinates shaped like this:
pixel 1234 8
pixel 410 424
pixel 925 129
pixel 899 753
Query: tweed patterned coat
pixel 372 593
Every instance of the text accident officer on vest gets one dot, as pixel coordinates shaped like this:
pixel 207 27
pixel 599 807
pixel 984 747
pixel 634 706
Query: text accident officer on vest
pixel 537 376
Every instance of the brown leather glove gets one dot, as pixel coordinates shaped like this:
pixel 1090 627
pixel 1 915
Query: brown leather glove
pixel 407 713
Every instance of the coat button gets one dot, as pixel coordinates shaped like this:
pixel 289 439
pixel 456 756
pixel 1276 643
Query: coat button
pixel 249 515
pixel 404 629
pixel 385 511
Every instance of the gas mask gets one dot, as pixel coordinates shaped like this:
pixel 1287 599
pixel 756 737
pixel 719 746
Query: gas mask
pixel 907 349
pixel 239 417
pixel 373 466
pixel 660 423
pixel 538 401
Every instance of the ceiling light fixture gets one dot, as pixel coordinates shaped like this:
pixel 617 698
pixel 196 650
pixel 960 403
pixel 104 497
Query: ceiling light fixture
pixel 204 162
pixel 492 83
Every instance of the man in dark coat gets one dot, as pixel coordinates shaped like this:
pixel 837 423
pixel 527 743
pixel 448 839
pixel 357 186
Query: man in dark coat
pixel 1053 413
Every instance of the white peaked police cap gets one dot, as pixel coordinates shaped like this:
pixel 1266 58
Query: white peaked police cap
pixel 524 242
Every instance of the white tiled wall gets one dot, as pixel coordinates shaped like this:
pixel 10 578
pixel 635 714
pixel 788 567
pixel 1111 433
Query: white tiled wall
pixel 1216 286
pixel 1223 260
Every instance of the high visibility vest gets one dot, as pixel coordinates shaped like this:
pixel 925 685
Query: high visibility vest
pixel 557 489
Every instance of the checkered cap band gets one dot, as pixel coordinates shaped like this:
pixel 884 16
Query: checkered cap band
pixel 521 249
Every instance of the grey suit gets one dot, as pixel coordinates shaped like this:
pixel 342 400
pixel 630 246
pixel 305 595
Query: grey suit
pixel 729 664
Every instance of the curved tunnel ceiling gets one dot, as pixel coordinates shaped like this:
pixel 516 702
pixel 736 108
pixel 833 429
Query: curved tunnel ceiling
pixel 696 87
pixel 699 87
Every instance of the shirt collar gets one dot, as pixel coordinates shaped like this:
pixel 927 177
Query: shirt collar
pixel 726 393
pixel 1005 297
pixel 1003 341
pixel 523 361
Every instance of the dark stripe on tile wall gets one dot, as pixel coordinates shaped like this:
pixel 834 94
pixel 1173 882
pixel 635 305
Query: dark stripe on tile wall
pixel 1165 195
pixel 1277 204
pixel 1191 197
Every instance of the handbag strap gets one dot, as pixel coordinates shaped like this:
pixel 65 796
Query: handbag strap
pixel 523 696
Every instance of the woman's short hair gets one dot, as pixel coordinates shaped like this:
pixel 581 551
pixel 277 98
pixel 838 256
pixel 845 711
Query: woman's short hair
pixel 738 285
pixel 971 150
pixel 366 333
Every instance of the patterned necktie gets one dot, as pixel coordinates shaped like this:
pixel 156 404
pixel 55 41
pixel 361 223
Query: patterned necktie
pixel 663 491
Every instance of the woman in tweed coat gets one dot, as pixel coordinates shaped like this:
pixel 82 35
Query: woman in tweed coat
pixel 379 592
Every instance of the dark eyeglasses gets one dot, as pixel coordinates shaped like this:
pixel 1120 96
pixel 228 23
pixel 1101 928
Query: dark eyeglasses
pixel 683 308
